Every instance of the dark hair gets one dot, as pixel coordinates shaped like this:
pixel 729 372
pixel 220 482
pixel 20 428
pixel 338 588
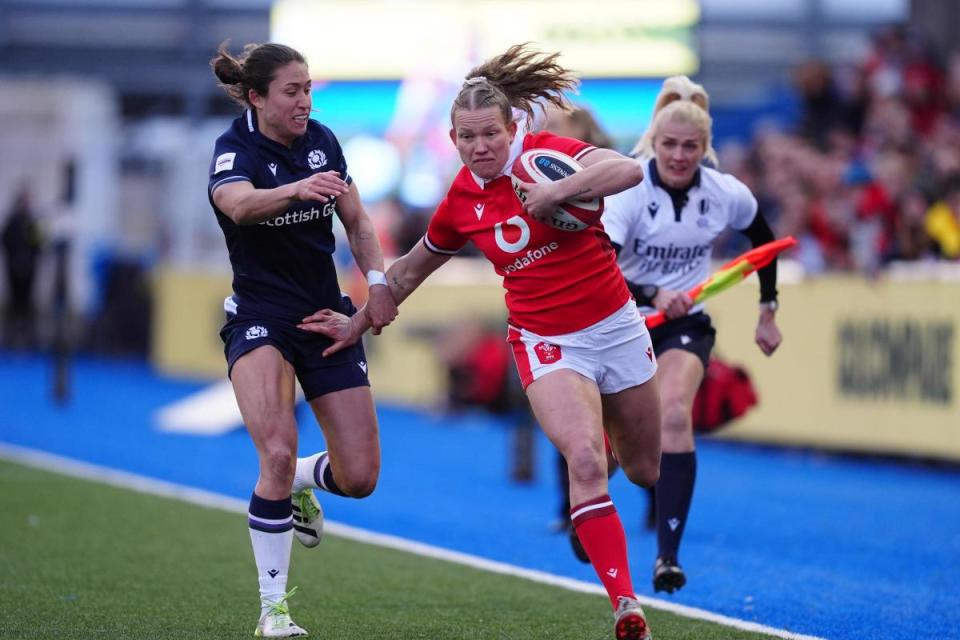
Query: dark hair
pixel 593 133
pixel 950 185
pixel 515 78
pixel 254 69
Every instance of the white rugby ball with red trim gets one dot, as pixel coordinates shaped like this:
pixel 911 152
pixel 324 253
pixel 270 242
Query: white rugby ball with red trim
pixel 546 165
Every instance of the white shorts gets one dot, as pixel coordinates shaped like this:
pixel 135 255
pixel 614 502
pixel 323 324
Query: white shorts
pixel 616 352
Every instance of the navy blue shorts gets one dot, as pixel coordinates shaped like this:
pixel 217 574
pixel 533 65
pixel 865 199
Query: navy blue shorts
pixel 693 333
pixel 317 375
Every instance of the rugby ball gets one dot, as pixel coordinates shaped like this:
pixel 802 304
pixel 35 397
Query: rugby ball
pixel 547 165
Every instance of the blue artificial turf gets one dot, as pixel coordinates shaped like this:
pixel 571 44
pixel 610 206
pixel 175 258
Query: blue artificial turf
pixel 827 545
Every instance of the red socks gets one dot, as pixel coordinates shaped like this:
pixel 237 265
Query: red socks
pixel 601 533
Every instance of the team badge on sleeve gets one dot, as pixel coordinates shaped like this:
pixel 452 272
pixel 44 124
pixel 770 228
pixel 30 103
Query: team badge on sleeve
pixel 224 162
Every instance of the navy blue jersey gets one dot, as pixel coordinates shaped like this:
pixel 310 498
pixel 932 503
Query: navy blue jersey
pixel 282 267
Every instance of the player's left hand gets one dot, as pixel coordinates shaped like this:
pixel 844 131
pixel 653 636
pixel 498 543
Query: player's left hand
pixel 380 309
pixel 768 336
pixel 343 330
pixel 540 200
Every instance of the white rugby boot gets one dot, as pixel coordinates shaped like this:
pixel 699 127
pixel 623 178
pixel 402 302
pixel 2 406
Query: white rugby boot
pixel 307 517
pixel 275 621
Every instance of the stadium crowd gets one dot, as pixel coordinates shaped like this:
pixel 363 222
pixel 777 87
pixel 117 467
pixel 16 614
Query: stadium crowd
pixel 871 172
pixel 868 174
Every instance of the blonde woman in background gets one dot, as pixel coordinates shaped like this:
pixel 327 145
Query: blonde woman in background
pixel 663 230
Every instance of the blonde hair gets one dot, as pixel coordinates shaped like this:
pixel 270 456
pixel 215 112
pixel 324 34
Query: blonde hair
pixel 680 99
pixel 517 78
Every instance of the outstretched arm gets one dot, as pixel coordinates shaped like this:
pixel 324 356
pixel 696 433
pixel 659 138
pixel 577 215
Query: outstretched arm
pixel 380 309
pixel 403 277
pixel 407 273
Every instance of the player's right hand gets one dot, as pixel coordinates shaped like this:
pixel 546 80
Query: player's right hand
pixel 380 309
pixel 674 304
pixel 322 187
pixel 336 326
pixel 539 200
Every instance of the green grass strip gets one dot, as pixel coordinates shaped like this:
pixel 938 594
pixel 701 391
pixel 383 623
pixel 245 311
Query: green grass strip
pixel 83 560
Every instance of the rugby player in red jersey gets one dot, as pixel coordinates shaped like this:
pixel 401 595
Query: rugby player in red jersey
pixel 581 347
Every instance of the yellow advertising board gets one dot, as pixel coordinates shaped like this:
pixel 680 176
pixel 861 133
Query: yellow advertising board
pixel 390 39
pixel 864 366
pixel 187 316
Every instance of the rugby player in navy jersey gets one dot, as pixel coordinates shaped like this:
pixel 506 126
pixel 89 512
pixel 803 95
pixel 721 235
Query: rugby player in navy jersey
pixel 580 346
pixel 663 229
pixel 277 178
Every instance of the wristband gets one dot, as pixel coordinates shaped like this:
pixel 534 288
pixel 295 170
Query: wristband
pixel 648 292
pixel 376 277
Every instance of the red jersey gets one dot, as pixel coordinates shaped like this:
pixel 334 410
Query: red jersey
pixel 557 282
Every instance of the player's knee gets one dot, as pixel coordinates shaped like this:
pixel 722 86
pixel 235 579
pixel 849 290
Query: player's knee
pixel 359 486
pixel 586 466
pixel 676 418
pixel 280 463
pixel 644 471
pixel 358 479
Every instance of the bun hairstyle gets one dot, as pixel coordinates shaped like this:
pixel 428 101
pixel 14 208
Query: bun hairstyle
pixel 253 70
pixel 684 100
pixel 517 78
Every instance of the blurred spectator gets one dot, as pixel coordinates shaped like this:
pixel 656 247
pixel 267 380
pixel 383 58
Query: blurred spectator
pixel 824 110
pixel 942 221
pixel 480 374
pixel 952 85
pixel 901 64
pixel 411 228
pixel 911 240
pixel 878 209
pixel 477 358
pixel 121 324
pixel 942 160
pixel 884 65
pixel 21 247
pixel 887 125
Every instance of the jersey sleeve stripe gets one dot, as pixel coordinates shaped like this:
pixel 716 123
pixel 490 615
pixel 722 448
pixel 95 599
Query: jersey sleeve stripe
pixel 431 247
pixel 217 184
pixel 584 152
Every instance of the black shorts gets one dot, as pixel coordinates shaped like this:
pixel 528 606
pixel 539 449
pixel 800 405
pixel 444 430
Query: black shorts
pixel 693 333
pixel 317 375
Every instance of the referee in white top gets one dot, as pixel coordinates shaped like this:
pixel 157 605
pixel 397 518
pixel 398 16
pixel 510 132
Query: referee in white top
pixel 663 229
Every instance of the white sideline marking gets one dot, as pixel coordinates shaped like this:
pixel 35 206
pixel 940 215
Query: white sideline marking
pixel 212 411
pixel 124 480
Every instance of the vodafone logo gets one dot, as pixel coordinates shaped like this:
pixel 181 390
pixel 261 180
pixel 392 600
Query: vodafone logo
pixel 518 244
pixel 547 353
